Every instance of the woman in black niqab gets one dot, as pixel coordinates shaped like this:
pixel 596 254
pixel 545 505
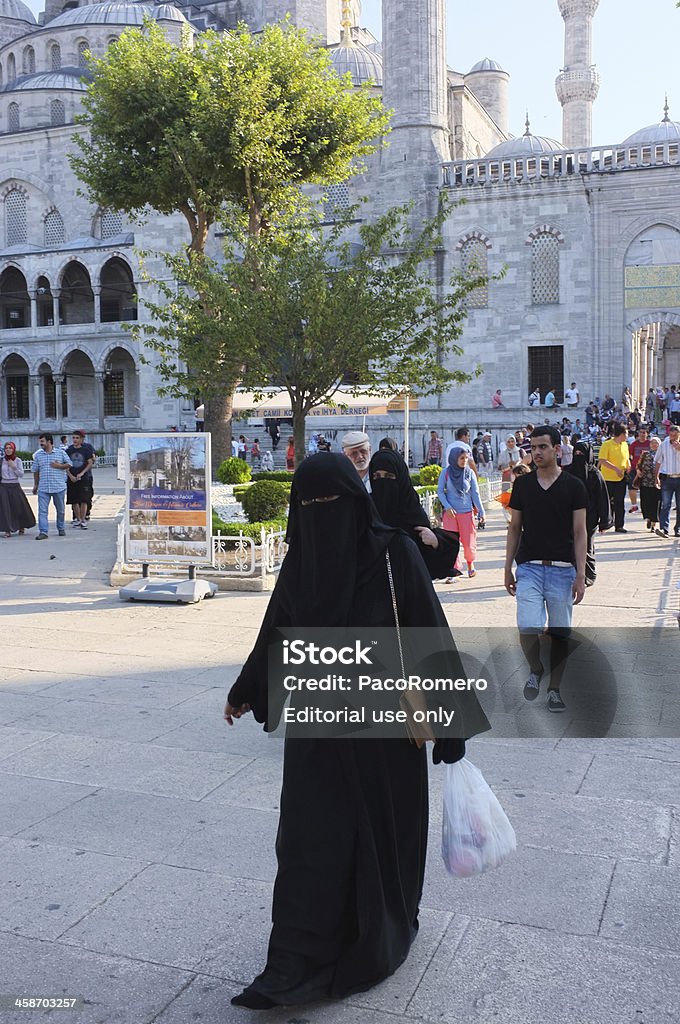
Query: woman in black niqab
pixel 352 833
pixel 398 504
pixel 598 513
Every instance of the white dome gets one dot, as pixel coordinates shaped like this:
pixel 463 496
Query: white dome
pixel 64 79
pixel 363 64
pixel 17 11
pixel 126 13
pixel 486 65
pixel 664 131
pixel 525 145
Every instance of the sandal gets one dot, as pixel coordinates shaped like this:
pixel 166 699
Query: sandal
pixel 472 572
pixel 8 535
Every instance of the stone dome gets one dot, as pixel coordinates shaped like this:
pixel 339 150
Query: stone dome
pixel 64 79
pixel 125 13
pixel 17 11
pixel 486 65
pixel 525 145
pixel 664 131
pixel 363 64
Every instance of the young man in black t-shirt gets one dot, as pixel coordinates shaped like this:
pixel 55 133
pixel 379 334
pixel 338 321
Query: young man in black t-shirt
pixel 548 540
pixel 79 482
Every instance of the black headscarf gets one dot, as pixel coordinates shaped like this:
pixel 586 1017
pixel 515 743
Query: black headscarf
pixel 583 461
pixel 396 500
pixel 333 545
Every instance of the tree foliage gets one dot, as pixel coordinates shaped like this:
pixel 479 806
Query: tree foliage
pixel 302 307
pixel 225 119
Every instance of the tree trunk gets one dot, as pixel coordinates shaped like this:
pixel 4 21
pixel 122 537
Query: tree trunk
pixel 218 412
pixel 299 418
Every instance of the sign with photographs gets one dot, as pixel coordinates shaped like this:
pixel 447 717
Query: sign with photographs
pixel 168 516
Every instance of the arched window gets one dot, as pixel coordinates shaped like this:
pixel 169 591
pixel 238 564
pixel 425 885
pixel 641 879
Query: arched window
pixel 545 269
pixel 28 61
pixel 11 68
pixel 54 228
pixel 83 48
pixel 474 262
pixel 57 112
pixel 55 57
pixel 0 76
pixel 118 296
pixel 110 223
pixel 15 217
pixel 13 118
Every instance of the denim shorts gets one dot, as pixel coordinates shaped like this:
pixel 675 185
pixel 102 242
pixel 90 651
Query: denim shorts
pixel 544 592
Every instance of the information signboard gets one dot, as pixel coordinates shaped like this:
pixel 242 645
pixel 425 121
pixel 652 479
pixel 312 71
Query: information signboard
pixel 168 517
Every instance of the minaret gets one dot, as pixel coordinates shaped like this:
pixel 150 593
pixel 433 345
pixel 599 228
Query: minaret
pixel 415 88
pixel 578 83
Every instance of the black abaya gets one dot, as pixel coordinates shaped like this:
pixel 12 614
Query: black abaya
pixel 352 835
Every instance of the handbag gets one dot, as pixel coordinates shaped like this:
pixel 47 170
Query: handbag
pixel 410 701
pixel 476 832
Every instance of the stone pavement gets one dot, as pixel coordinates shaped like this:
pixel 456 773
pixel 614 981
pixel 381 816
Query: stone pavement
pixel 137 831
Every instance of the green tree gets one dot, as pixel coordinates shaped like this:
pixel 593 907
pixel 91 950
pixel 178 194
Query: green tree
pixel 218 124
pixel 305 305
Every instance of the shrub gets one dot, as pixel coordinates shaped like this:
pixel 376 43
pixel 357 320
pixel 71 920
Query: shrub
pixel 233 471
pixel 266 499
pixel 100 453
pixel 247 529
pixel 429 475
pixel 25 456
pixel 276 474
pixel 415 477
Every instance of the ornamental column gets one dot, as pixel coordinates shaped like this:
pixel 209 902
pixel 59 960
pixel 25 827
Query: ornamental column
pixel 99 382
pixel 578 82
pixel 34 401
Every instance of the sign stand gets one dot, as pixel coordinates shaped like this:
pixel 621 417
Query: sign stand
pixel 187 591
pixel 168 514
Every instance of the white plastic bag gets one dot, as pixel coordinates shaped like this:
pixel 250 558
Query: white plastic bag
pixel 476 832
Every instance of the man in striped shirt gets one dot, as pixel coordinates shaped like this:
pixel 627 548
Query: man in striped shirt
pixel 434 450
pixel 667 469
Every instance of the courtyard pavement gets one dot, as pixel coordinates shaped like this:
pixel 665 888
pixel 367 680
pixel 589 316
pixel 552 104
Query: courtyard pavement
pixel 137 830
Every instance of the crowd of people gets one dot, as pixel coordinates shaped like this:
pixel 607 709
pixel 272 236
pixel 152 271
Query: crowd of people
pixel 62 474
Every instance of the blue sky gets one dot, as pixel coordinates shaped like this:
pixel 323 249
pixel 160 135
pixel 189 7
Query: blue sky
pixel 634 48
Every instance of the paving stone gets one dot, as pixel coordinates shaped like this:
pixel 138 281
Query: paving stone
pixel 25 802
pixel 138 688
pixel 634 778
pixel 13 740
pixel 48 888
pixel 589 825
pixel 194 920
pixel 15 708
pixel 643 907
pixel 115 990
pixel 138 767
pixel 542 888
pixel 209 731
pixel 233 839
pixel 123 722
pixel 504 973
pixel 257 784
pixel 526 764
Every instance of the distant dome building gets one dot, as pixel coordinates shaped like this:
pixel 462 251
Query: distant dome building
pixel 126 13
pixel 489 83
pixel 15 10
pixel 665 131
pixel 525 145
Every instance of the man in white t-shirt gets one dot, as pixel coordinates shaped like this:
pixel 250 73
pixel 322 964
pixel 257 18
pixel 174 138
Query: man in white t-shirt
pixel 571 395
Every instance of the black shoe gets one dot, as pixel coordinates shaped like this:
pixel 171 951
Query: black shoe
pixel 677 532
pixel 253 1001
pixel 533 685
pixel 555 702
pixel 620 529
pixel 649 524
pixel 661 533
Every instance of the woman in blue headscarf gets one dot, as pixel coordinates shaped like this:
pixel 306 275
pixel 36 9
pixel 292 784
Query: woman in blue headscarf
pixel 459 494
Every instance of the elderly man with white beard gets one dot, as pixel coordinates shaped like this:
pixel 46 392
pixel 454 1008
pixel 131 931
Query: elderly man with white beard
pixel 357 447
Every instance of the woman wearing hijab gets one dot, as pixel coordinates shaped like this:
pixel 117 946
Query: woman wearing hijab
pixel 598 513
pixel 459 495
pixel 646 480
pixel 352 833
pixel 16 514
pixel 398 505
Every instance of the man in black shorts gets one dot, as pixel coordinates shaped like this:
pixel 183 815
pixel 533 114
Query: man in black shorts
pixel 547 538
pixel 79 482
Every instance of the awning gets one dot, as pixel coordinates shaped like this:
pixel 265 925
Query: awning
pixel 277 404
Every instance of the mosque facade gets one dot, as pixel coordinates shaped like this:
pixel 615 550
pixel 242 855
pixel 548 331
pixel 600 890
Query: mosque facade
pixel 581 242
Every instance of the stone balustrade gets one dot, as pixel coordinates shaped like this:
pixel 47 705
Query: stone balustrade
pixel 558 164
